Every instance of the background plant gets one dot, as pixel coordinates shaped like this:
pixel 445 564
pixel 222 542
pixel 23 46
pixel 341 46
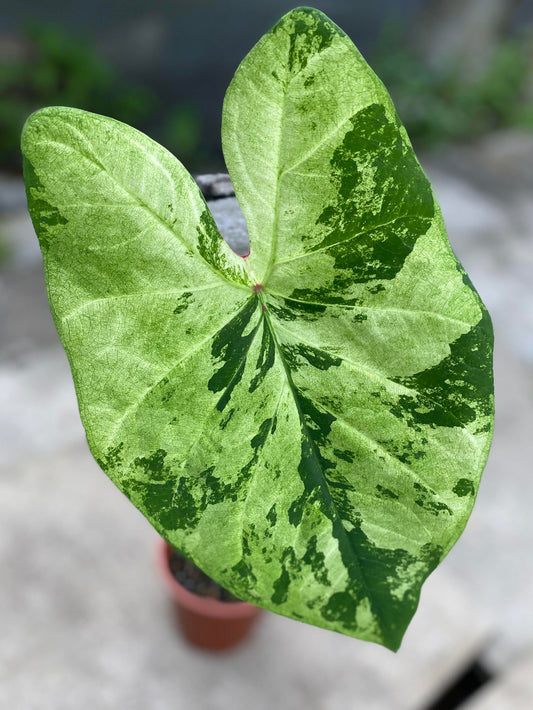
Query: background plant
pixel 53 67
pixel 59 67
pixel 439 106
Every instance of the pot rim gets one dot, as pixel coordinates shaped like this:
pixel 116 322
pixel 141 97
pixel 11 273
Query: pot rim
pixel 206 606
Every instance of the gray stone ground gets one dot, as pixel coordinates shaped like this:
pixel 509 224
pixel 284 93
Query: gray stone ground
pixel 84 621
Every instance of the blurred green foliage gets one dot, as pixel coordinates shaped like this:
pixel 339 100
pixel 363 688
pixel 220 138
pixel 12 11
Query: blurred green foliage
pixel 441 106
pixel 183 134
pixel 5 251
pixel 60 69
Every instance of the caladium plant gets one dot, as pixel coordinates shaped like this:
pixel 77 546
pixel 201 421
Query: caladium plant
pixel 308 424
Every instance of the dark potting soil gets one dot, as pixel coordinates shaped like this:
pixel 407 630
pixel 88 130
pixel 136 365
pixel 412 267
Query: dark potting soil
pixel 194 580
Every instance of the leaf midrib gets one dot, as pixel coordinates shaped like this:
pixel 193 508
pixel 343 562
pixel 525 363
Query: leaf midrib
pixel 275 220
pixel 294 390
pixel 281 172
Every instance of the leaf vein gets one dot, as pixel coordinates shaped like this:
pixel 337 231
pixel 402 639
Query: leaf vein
pixel 312 444
pixel 135 406
pixel 142 294
pixel 385 309
pixel 379 375
pixel 374 227
pixel 151 212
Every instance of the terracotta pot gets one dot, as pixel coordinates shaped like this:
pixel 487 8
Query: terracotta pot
pixel 206 622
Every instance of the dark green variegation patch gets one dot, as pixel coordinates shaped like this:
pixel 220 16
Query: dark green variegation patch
pixel 308 424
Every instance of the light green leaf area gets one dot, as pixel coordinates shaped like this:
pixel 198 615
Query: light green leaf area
pixel 308 424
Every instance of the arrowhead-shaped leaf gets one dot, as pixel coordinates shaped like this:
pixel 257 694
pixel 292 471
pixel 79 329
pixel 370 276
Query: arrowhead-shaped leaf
pixel 308 424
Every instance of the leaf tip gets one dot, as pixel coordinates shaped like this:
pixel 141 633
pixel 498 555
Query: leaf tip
pixel 307 11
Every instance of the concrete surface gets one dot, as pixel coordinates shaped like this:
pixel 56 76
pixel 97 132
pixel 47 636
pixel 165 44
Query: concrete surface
pixel 514 690
pixel 85 623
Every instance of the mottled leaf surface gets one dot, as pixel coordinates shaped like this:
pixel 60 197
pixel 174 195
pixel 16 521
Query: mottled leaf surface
pixel 308 424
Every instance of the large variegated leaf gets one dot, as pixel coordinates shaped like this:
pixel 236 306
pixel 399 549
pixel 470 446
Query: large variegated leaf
pixel 309 424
